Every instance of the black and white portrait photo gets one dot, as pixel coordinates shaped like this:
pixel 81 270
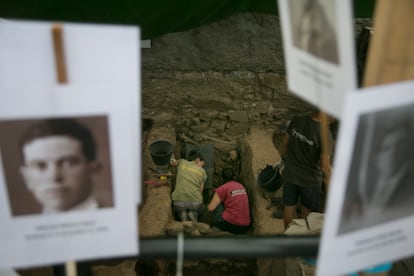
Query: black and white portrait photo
pixel 314 28
pixel 380 182
pixel 56 165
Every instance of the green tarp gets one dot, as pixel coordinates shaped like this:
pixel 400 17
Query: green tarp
pixel 155 17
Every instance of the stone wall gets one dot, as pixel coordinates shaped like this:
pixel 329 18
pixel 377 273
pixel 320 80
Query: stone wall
pixel 244 42
pixel 220 79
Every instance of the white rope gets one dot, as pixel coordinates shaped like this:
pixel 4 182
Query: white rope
pixel 180 254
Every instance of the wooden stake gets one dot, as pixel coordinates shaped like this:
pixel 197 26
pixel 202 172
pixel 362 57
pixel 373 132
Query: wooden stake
pixel 391 50
pixel 70 268
pixel 325 144
pixel 57 35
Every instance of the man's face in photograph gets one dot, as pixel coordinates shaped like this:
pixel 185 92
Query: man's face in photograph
pixel 57 172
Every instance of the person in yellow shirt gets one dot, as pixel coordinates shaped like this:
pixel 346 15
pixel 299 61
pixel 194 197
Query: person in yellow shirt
pixel 187 196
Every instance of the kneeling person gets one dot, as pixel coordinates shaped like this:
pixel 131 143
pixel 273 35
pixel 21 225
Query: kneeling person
pixel 230 204
pixel 187 196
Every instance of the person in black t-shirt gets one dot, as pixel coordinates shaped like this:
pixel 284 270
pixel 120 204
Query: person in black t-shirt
pixel 306 167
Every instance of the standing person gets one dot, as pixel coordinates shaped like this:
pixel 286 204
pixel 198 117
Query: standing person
pixel 230 204
pixel 187 196
pixel 59 161
pixel 305 166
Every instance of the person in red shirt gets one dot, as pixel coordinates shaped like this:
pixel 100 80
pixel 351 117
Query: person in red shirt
pixel 230 204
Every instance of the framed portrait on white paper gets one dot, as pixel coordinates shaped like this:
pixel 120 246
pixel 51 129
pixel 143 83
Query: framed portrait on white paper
pixel 68 174
pixel 370 211
pixel 319 50
pixel 69 153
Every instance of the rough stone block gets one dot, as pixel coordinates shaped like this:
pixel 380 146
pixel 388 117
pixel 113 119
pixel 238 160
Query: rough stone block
pixel 239 116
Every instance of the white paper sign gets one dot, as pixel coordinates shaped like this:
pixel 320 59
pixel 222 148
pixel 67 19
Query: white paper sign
pixel 104 54
pixel 370 214
pixel 319 50
pixel 46 215
pixel 93 53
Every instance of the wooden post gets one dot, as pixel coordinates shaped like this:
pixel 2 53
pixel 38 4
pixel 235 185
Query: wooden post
pixel 325 139
pixel 70 268
pixel 391 50
pixel 57 35
pixel 61 73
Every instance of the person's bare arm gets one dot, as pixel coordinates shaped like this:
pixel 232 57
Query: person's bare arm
pixel 215 201
pixel 326 169
pixel 174 162
pixel 283 146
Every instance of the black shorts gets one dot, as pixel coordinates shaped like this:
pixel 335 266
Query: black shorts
pixel 310 197
pixel 221 223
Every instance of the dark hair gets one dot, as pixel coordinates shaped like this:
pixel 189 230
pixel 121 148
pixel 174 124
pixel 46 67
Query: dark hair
pixel 194 154
pixel 227 174
pixel 63 127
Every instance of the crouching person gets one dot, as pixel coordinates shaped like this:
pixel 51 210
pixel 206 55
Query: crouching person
pixel 230 204
pixel 187 195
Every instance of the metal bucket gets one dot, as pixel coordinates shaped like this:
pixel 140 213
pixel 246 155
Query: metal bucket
pixel 161 152
pixel 269 178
